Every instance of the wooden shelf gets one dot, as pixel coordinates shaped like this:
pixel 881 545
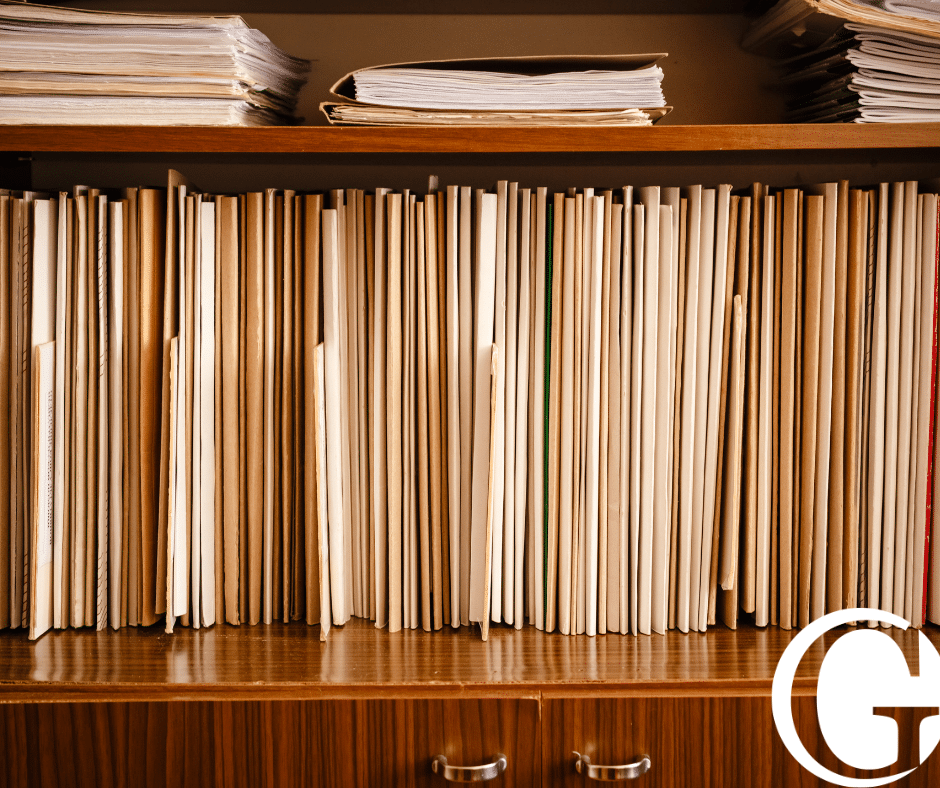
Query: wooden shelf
pixel 338 140
pixel 288 662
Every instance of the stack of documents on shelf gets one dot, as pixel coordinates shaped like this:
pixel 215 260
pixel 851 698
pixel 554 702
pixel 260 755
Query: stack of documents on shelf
pixel 806 24
pixel 588 411
pixel 62 66
pixel 868 73
pixel 617 90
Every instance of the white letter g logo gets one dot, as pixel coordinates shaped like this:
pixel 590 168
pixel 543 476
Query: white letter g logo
pixel 864 674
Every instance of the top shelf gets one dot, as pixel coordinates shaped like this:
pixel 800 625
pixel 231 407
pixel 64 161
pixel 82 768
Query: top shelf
pixel 339 140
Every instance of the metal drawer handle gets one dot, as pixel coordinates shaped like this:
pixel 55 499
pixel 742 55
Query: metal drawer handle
pixel 629 771
pixel 469 774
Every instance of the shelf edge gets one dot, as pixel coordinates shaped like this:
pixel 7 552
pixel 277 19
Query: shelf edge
pixel 320 140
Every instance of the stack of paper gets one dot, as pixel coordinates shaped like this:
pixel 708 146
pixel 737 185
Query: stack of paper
pixel 619 90
pixel 805 24
pixel 855 61
pixel 869 75
pixel 72 66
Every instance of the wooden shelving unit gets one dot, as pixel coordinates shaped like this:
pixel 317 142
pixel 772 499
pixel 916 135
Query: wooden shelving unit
pixel 273 705
pixel 396 700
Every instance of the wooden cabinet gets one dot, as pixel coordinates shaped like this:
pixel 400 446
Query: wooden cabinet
pixel 691 741
pixel 273 706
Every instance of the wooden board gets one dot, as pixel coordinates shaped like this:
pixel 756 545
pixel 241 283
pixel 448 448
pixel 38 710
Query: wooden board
pixel 331 140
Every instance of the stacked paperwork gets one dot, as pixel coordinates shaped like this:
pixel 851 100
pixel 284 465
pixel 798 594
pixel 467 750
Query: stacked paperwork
pixel 868 75
pixel 70 66
pixel 806 24
pixel 619 90
pixel 488 90
pixel 878 63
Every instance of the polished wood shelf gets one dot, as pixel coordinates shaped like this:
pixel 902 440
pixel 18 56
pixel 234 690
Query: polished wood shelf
pixel 288 662
pixel 340 140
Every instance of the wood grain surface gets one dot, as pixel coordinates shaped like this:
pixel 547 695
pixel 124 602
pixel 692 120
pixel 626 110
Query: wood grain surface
pixel 258 743
pixel 335 139
pixel 691 742
pixel 696 742
pixel 289 662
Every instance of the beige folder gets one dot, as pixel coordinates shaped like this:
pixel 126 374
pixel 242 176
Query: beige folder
pixel 43 475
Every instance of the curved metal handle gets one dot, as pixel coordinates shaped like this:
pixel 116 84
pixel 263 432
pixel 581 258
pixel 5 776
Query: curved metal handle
pixel 469 774
pixel 629 771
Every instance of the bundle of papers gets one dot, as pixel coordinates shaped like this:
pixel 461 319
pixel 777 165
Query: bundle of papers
pixel 867 75
pixel 451 88
pixel 134 111
pixel 163 61
pixel 867 61
pixel 588 411
pixel 807 24
pixel 620 90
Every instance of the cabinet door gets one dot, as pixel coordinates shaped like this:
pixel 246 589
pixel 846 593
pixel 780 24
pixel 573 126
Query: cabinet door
pixel 695 742
pixel 698 742
pixel 391 742
pixel 265 743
